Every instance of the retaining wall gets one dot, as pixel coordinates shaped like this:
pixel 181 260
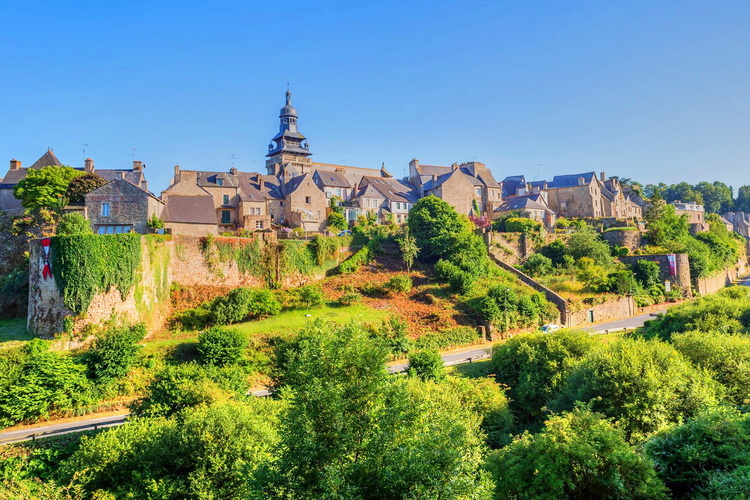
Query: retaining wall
pixel 682 277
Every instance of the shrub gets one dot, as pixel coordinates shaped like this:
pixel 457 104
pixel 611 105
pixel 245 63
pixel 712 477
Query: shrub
pixel 392 335
pixel 450 337
pixel 349 299
pixel 244 303
pixel 522 225
pixel 577 455
pixel 263 303
pixel 459 280
pixel 427 365
pixel 647 272
pixel 113 353
pixel 337 221
pixel 485 397
pixel 362 257
pixel 538 265
pixel 311 295
pixel 73 223
pixel 220 346
pixel 399 284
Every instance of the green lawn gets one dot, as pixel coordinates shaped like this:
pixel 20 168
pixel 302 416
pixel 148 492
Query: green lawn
pixel 13 331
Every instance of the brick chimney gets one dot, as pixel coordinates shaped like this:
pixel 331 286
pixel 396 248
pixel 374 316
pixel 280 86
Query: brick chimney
pixel 138 166
pixel 89 166
pixel 177 174
pixel 261 183
pixel 15 165
pixel 121 174
pixel 454 167
pixel 602 176
pixel 233 170
pixel 581 181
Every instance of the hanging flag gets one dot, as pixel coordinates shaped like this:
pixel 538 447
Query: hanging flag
pixel 672 259
pixel 46 270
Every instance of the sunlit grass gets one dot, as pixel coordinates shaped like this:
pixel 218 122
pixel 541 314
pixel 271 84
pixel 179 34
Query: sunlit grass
pixel 13 332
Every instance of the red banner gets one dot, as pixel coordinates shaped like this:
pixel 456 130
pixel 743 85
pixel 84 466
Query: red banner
pixel 46 270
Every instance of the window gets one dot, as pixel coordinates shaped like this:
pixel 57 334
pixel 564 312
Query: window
pixel 281 203
pixel 478 191
pixel 367 202
pixel 105 209
pixel 120 229
pixel 226 199
pixel 257 211
pixel 219 182
pixel 226 216
pixel 308 200
pixel 258 224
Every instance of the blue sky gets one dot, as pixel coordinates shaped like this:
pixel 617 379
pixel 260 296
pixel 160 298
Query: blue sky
pixel 656 91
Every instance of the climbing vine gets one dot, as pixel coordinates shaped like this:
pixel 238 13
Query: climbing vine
pixel 85 265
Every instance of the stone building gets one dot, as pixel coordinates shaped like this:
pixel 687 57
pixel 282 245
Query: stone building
pixel 740 222
pixel 9 203
pixel 532 206
pixel 387 197
pixel 695 214
pixel 467 187
pixel 588 196
pixel 121 207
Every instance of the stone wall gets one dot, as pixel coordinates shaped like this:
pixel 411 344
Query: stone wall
pixel 713 284
pixel 621 307
pixel 508 247
pixel 627 239
pixel 146 302
pixel 681 279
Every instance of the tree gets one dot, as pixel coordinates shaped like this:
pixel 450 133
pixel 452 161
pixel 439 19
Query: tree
pixel 80 186
pixel 742 203
pixel 354 431
pixel 538 265
pixel 534 368
pixel 578 455
pixel 73 223
pixel 113 353
pixel 221 346
pixel 155 223
pixel 647 272
pixel 644 386
pixel 427 365
pixel 688 456
pixel 683 192
pixel 717 197
pixel 434 224
pixel 337 221
pixel 665 227
pixel 409 249
pixel 586 243
pixel 45 188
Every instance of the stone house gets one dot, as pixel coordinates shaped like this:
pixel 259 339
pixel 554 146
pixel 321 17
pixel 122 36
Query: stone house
pixel 8 202
pixel 695 214
pixel 576 195
pixel 740 222
pixel 386 197
pixel 462 186
pixel 121 207
pixel 532 206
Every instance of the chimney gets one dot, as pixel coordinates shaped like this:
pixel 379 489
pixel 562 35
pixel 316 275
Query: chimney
pixel 138 166
pixel 602 176
pixel 434 179
pixel 121 174
pixel 454 167
pixel 261 183
pixel 89 166
pixel 233 170
pixel 15 165
pixel 581 181
pixel 177 176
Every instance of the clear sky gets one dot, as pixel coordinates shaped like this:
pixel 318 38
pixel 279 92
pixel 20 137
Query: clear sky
pixel 653 90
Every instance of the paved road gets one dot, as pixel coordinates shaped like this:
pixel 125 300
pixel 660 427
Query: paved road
pixel 455 358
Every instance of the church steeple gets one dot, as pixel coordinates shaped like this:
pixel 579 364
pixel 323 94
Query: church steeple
pixel 288 140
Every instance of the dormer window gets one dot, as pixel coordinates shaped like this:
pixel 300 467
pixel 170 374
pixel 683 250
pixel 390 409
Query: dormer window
pixel 226 199
pixel 219 182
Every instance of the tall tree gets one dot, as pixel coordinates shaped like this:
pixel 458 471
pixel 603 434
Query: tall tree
pixel 80 186
pixel 409 249
pixel 682 192
pixel 45 188
pixel 717 196
pixel 743 199
pixel 434 223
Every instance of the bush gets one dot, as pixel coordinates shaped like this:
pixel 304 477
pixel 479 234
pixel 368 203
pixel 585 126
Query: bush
pixel 311 295
pixel 648 273
pixel 220 346
pixel 459 280
pixel 113 353
pixel 644 386
pixel 485 397
pixel 522 225
pixel 244 303
pixel 73 223
pixel 392 335
pixel 337 221
pixel 263 303
pixel 577 455
pixel 427 365
pixel 534 368
pixel 399 284
pixel 450 337
pixel 349 299
pixel 538 265
pixel 687 457
pixel 362 257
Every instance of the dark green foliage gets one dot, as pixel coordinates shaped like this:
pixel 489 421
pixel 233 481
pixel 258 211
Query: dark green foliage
pixel 434 224
pixel 207 453
pixel 647 272
pixel 73 223
pixel 727 311
pixel 555 251
pixel 85 265
pixel 732 485
pixel 80 186
pixel 362 257
pixel 427 365
pixel 241 304
pixel 577 455
pixel 221 346
pixel 399 284
pixel 537 265
pixel 459 280
pixel 687 457
pixel 188 385
pixel 725 356
pixel 507 308
pixel 484 397
pixel 36 382
pixel 351 298
pixel 114 351
pixel 621 282
pixel 586 243
pixel 311 296
pixel 742 203
pixel 337 221
pixel 46 187
pixel 643 385
pixel 534 368
pixel 449 337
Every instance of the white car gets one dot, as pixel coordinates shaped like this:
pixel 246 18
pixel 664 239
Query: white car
pixel 549 328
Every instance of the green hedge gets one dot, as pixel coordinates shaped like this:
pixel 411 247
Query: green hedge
pixel 458 336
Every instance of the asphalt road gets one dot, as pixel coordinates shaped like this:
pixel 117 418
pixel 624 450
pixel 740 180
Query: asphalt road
pixel 456 358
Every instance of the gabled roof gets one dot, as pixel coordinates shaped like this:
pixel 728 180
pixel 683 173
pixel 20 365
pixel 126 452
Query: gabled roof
pixel 123 184
pixel 190 210
pixel 332 179
pixel 530 202
pixel 134 177
pixel 433 169
pixel 47 159
pixel 511 185
pixel 352 174
pixel 369 191
pixel 394 190
pixel 563 181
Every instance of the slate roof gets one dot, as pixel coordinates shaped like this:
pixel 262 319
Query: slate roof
pixel 352 174
pixel 47 159
pixel 332 179
pixel 530 202
pixel 13 177
pixel 394 190
pixel 134 177
pixel 563 181
pixel 511 185
pixel 190 210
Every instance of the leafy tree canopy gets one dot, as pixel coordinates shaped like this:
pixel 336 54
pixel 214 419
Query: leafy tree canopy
pixel 80 186
pixel 45 188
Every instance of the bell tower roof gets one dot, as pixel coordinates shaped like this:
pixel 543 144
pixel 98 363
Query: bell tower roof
pixel 288 140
